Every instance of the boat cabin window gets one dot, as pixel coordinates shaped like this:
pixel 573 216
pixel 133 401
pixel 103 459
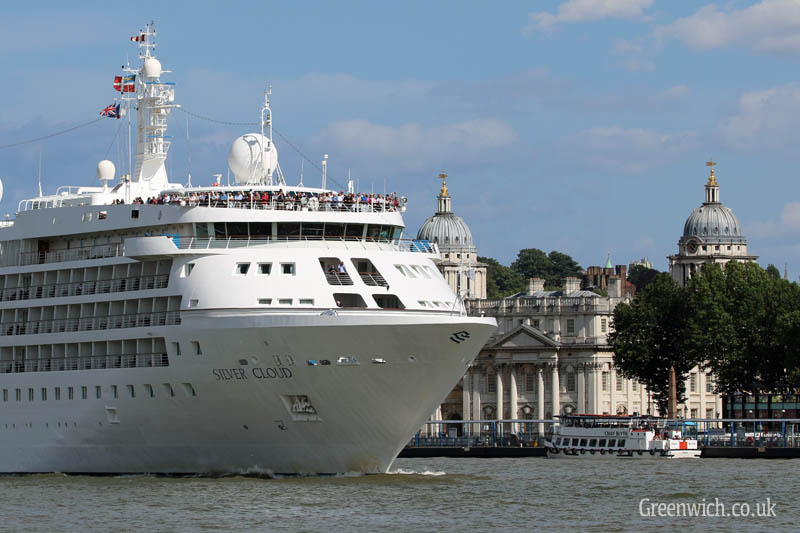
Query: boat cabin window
pixel 344 299
pixel 583 442
pixel 612 443
pixel 265 268
pixel 388 301
pixel 242 268
pixel 593 442
pixel 621 443
pixel 287 268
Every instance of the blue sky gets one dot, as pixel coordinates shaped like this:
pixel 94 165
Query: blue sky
pixel 581 126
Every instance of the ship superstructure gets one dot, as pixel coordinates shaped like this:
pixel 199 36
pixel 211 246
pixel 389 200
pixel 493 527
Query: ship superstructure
pixel 147 326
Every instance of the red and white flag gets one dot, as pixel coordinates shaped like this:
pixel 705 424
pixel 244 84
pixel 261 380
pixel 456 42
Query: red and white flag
pixel 139 38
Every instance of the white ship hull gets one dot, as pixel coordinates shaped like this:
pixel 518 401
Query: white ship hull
pixel 238 421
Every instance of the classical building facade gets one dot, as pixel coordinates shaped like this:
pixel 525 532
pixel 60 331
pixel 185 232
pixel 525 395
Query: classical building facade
pixel 711 235
pixel 459 265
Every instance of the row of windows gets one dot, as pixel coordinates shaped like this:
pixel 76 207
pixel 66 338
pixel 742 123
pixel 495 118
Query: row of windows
pixel 69 393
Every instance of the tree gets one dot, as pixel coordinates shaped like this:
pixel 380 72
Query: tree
pixel 773 271
pixel 648 336
pixel 553 268
pixel 641 276
pixel 501 281
pixel 744 324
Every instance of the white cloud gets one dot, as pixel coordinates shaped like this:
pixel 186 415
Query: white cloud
pixel 412 147
pixel 632 150
pixel 678 91
pixel 768 26
pixel 583 10
pixel 787 224
pixel 765 119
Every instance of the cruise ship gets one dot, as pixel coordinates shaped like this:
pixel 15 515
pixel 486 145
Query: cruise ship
pixel 154 327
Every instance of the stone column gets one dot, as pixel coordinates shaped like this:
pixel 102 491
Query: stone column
pixel 465 397
pixel 476 400
pixel 612 390
pixel 498 372
pixel 701 382
pixel 555 391
pixel 540 398
pixel 629 399
pixel 591 393
pixel 512 396
pixel 581 384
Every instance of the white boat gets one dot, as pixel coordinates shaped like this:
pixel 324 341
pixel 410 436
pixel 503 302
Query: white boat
pixel 622 436
pixel 148 326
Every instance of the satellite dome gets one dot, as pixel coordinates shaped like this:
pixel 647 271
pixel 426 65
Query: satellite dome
pixel 151 68
pixel 105 170
pixel 252 158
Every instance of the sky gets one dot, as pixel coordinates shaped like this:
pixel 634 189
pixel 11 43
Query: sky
pixel 581 126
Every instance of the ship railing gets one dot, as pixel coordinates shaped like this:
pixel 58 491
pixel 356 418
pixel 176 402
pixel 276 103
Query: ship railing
pixel 67 325
pixel 338 278
pixel 373 279
pixel 82 288
pixel 86 362
pixel 287 205
pixel 402 245
pixel 71 254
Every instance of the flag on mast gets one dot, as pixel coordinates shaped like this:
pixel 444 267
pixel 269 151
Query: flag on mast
pixel 111 111
pixel 139 38
pixel 125 84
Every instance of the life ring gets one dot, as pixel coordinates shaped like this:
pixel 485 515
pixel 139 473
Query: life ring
pixel 554 451
pixel 652 451
pixel 573 452
pixel 591 452
pixel 602 452
pixel 313 203
pixel 639 452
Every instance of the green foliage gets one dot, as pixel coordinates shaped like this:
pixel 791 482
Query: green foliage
pixel 745 322
pixel 553 267
pixel 641 276
pixel 648 338
pixel 773 271
pixel 501 281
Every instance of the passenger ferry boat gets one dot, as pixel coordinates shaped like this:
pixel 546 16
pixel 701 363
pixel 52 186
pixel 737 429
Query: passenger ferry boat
pixel 147 326
pixel 624 436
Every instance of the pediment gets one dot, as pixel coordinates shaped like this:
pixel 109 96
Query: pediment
pixel 524 336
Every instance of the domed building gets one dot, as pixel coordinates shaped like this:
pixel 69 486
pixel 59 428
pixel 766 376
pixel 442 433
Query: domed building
pixel 711 235
pixel 459 264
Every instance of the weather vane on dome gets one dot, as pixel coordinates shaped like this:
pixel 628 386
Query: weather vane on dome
pixel 712 180
pixel 443 176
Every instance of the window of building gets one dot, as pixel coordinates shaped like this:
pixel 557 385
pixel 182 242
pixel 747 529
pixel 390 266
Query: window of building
pixel 693 413
pixel 571 382
pixel 550 325
pixel 30 394
pixel 287 268
pixel 603 325
pixel 530 382
pixel 570 325
pixel 620 383
pixel 693 382
pixel 536 324
pixel 604 381
pixel 709 383
pixel 710 412
pixel 84 392
pixel 265 268
pixel 491 383
pixel 131 391
pixel 98 392
pixel 635 386
pixel 114 392
pixel 44 394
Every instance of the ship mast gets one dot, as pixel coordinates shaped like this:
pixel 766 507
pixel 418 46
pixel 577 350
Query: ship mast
pixel 154 102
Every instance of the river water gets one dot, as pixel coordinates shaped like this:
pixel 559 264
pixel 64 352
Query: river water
pixel 422 495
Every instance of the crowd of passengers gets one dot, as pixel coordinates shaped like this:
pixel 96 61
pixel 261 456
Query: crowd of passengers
pixel 279 199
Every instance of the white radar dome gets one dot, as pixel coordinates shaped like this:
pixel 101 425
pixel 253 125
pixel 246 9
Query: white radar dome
pixel 105 170
pixel 253 158
pixel 151 68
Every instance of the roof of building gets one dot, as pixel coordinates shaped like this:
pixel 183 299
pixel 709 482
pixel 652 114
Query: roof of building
pixel 556 294
pixel 713 221
pixel 446 229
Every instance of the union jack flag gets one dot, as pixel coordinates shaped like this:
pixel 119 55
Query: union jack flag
pixel 111 111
